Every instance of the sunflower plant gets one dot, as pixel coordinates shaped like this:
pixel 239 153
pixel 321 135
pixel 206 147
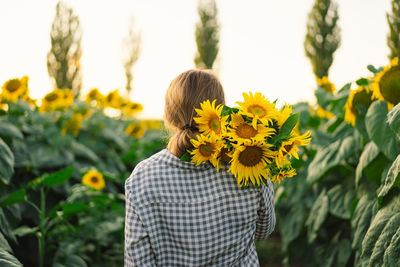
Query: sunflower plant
pixel 254 141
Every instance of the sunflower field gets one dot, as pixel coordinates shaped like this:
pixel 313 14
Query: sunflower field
pixel 343 207
pixel 63 165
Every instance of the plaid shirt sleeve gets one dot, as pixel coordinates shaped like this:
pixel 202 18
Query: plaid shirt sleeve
pixel 138 250
pixel 266 213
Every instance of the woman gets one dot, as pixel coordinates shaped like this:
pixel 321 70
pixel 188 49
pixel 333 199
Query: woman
pixel 179 214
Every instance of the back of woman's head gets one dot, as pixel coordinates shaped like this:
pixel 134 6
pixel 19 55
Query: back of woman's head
pixel 184 94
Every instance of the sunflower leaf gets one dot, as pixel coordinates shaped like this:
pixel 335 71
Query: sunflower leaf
pixel 392 178
pixel 58 178
pixel 289 124
pixel 186 157
pixel 362 82
pixel 226 111
pixel 372 69
pixel 13 198
pixel 393 119
pixel 6 163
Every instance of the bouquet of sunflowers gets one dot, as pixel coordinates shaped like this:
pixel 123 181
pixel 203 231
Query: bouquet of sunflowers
pixel 253 141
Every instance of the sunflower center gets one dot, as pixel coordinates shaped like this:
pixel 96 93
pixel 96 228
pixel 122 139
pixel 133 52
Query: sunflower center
pixel 215 124
pixel 257 110
pixel 224 156
pixel 246 131
pixel 361 98
pixel 206 149
pixel 94 179
pixel 389 85
pixel 50 97
pixel 251 156
pixel 287 148
pixel 13 85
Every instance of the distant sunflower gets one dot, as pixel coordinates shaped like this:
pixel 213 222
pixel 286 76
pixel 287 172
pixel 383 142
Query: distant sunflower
pixel 52 100
pixel 206 148
pixel 209 118
pixel 326 84
pixel 113 99
pixel 95 95
pixel 241 131
pixel 73 124
pixel 258 107
pixel 94 179
pixel 131 108
pixel 386 84
pixel 359 97
pixel 249 161
pixel 324 114
pixel 136 129
pixel 284 114
pixel 67 98
pixel 290 147
pixel 153 124
pixel 14 88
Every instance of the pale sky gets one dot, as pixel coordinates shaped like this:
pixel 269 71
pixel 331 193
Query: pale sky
pixel 261 45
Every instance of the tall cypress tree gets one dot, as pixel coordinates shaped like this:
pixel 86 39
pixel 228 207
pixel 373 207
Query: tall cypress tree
pixel 131 52
pixel 63 59
pixel 393 39
pixel 207 34
pixel 323 36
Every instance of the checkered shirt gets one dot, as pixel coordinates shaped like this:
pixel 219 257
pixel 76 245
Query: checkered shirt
pixel 178 214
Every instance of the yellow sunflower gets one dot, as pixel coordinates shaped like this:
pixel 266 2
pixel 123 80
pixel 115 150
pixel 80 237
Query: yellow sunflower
pixel 73 124
pixel 113 99
pixel 136 129
pixel 283 173
pixel 95 95
pixel 209 118
pixel 94 179
pixel 359 97
pixel 324 114
pixel 386 84
pixel 206 148
pixel 258 107
pixel 248 162
pixel 284 114
pixel 241 131
pixel 153 124
pixel 67 98
pixel 290 147
pixel 14 88
pixel 131 108
pixel 326 84
pixel 52 100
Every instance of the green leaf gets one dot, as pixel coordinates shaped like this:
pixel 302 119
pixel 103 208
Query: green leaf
pixel 361 219
pixel 340 201
pixel 226 111
pixel 8 129
pixel 393 119
pixel 392 178
pixel 391 256
pixel 186 157
pixel 323 97
pixel 362 82
pixel 25 230
pixel 74 208
pixel 331 156
pixel 58 178
pixel 6 259
pixel 291 224
pixel 380 233
pixel 380 132
pixel 75 261
pixel 4 244
pixel 317 216
pixel 372 69
pixel 83 151
pixel 15 197
pixel 5 227
pixel 370 152
pixel 289 124
pixel 6 163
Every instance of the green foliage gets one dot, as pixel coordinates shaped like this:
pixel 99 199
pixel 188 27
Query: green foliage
pixel 323 36
pixel 207 34
pixel 6 163
pixel 63 59
pixel 393 39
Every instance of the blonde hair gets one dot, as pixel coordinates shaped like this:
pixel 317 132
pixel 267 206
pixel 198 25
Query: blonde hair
pixel 185 93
